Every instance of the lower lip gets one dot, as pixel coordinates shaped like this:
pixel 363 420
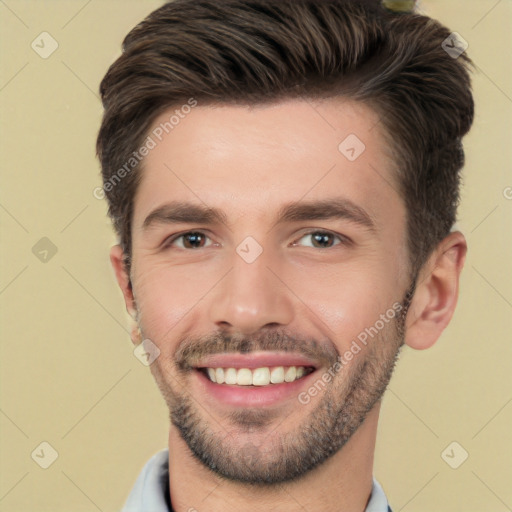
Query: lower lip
pixel 253 396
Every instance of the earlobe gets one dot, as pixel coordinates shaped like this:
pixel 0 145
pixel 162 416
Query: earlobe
pixel 123 279
pixel 435 298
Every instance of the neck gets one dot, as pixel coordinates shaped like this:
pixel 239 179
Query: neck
pixel 341 484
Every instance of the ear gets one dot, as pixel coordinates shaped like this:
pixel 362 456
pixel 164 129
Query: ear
pixel 123 279
pixel 436 292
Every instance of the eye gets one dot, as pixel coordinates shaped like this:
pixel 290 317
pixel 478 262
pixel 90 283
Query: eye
pixel 188 240
pixel 323 239
pixel 197 240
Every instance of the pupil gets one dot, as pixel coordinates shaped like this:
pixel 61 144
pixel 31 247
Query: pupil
pixel 193 238
pixel 322 238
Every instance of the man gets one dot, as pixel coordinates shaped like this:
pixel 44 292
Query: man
pixel 283 177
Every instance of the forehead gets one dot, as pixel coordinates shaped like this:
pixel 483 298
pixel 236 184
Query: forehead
pixel 253 159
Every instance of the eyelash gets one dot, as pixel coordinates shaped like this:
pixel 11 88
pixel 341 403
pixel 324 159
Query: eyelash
pixel 342 239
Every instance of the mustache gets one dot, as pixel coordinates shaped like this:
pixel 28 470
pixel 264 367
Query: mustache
pixel 192 349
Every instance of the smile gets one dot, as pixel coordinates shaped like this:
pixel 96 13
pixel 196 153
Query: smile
pixel 258 379
pixel 262 376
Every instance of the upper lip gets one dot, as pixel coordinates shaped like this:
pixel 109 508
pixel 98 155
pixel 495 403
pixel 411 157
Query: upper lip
pixel 254 360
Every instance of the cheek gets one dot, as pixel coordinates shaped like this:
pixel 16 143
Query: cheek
pixel 340 299
pixel 347 299
pixel 165 295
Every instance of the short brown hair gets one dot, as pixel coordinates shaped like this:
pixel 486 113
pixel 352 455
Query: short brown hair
pixel 259 51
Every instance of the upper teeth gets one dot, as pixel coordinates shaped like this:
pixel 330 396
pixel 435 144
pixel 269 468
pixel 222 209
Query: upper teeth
pixel 256 376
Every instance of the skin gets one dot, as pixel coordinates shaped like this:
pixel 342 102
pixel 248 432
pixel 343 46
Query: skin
pixel 249 162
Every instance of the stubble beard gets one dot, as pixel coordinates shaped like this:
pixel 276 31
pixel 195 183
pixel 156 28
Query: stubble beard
pixel 249 448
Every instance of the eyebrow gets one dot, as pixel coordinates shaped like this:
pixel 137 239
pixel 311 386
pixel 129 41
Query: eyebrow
pixel 185 212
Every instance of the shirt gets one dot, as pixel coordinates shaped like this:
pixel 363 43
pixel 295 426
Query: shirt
pixel 151 490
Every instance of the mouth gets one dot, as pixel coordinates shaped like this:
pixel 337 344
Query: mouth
pixel 262 376
pixel 253 380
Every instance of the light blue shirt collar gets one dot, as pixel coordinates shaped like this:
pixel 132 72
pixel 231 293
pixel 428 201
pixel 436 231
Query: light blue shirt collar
pixel 151 490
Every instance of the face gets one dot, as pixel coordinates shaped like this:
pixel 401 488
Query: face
pixel 269 267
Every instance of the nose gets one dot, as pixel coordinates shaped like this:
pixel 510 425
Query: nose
pixel 251 296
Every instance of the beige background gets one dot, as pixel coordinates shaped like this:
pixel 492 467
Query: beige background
pixel 68 374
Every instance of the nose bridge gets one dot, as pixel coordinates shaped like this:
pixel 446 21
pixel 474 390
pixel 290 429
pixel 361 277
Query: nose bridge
pixel 250 296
